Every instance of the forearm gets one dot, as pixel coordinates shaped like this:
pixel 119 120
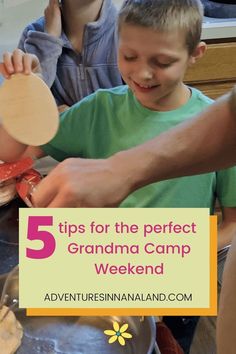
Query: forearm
pixel 204 143
pixel 226 325
pixel 10 149
pixel 226 233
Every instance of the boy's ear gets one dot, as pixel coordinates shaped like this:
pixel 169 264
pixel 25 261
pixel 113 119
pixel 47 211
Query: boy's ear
pixel 198 52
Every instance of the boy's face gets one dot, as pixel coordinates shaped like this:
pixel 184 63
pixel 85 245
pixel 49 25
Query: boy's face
pixel 153 64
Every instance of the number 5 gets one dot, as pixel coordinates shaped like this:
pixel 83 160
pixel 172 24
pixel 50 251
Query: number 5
pixel 46 237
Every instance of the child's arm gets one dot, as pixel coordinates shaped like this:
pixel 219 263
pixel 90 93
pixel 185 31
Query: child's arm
pixel 227 228
pixel 42 39
pixel 52 15
pixel 10 149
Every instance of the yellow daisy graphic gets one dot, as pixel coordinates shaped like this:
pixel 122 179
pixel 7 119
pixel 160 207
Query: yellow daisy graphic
pixel 118 333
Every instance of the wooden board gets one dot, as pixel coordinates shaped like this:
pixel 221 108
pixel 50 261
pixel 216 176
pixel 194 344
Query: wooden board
pixel 28 110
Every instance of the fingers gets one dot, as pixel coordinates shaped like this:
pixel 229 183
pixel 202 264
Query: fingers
pixel 62 108
pixel 77 182
pixel 19 62
pixel 59 188
pixel 52 14
pixel 13 61
pixel 49 195
pixel 7 62
pixel 31 64
pixel 3 71
pixel 44 192
pixel 7 66
pixel 54 3
pixel 60 201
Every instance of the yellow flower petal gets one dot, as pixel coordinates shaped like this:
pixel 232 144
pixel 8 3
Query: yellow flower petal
pixel 110 332
pixel 112 339
pixel 124 328
pixel 116 326
pixel 121 340
pixel 126 335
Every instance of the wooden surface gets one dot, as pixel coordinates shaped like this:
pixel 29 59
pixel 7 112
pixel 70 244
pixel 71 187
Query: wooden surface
pixel 215 73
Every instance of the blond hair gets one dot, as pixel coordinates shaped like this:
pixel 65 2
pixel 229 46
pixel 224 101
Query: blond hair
pixel 165 16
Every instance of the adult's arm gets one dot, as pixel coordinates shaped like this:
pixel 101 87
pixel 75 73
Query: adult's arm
pixel 204 143
pixel 226 324
pixel 227 228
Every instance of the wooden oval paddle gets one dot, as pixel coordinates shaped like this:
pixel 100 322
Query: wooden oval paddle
pixel 28 110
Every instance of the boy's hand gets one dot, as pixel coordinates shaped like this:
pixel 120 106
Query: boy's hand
pixel 19 62
pixel 52 15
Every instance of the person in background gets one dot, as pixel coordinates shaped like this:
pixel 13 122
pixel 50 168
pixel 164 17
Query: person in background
pixel 155 48
pixel 219 8
pixel 76 43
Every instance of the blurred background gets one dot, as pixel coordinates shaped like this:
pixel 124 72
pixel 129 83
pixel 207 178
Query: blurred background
pixel 15 15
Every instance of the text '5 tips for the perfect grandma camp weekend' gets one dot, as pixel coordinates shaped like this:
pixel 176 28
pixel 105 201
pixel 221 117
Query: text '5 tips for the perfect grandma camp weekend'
pixel 119 238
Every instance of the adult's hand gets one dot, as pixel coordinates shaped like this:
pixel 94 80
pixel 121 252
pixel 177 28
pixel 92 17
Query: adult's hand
pixel 79 182
pixel 52 14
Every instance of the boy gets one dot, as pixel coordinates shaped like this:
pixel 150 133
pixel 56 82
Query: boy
pixel 153 57
pixel 158 40
pixel 76 44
